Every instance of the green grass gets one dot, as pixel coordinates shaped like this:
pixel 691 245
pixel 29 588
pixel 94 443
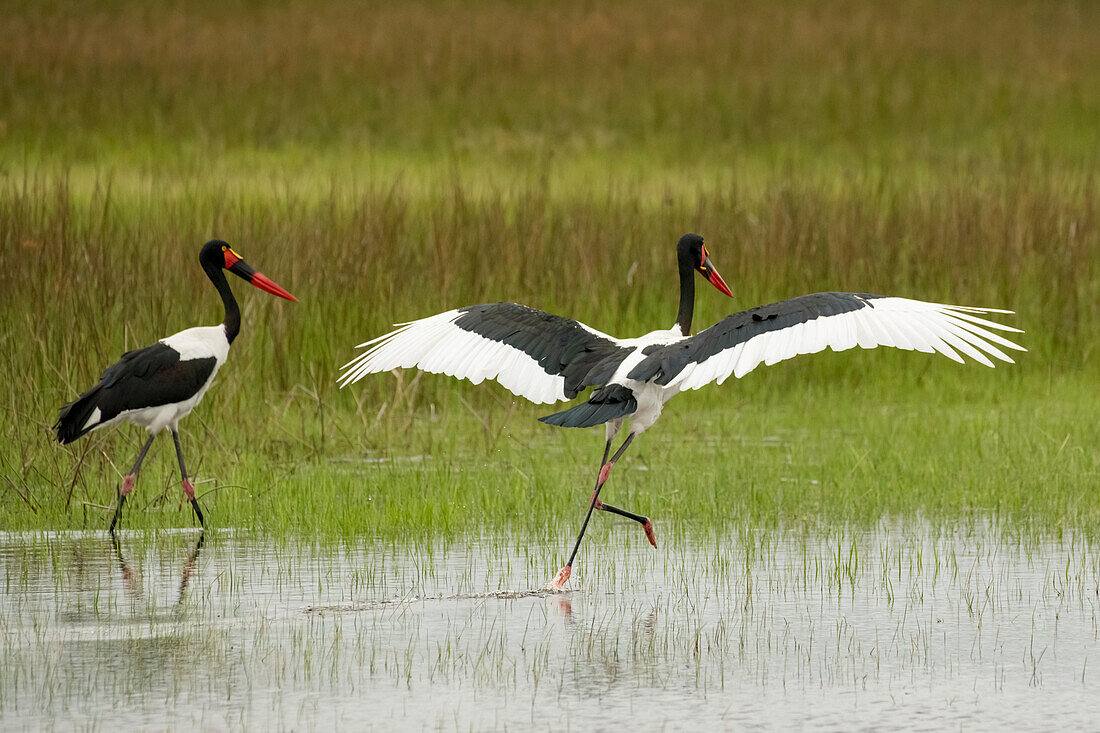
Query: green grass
pixel 818 454
pixel 619 88
pixel 388 161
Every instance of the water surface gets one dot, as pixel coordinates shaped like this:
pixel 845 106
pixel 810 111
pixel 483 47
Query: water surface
pixel 905 624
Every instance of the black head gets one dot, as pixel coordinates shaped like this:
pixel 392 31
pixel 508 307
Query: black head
pixel 213 253
pixel 218 255
pixel 691 251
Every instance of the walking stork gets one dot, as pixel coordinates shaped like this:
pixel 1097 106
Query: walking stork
pixel 159 385
pixel 547 358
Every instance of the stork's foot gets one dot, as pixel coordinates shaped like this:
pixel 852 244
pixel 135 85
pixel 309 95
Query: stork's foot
pixel 189 489
pixel 118 508
pixel 202 524
pixel 644 521
pixel 561 579
pixel 127 487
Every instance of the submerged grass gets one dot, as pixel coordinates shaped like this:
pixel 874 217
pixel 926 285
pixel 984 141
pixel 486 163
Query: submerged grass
pixel 385 162
pixel 892 620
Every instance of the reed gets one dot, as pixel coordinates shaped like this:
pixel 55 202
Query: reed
pixel 388 161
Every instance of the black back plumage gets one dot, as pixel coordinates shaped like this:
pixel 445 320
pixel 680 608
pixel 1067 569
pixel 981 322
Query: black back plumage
pixel 148 377
pixel 561 346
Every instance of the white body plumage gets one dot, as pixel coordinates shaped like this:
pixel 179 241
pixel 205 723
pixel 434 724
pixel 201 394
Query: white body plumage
pixel 192 344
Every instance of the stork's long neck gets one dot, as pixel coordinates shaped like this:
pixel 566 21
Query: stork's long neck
pixel 232 320
pixel 687 297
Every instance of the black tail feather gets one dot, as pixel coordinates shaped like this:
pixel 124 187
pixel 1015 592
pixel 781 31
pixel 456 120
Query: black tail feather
pixel 70 423
pixel 605 404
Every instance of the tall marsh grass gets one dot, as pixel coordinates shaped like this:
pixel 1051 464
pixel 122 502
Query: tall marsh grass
pixel 92 278
pixel 699 85
pixel 385 161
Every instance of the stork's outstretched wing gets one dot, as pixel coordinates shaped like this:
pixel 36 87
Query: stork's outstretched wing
pixel 542 357
pixel 810 323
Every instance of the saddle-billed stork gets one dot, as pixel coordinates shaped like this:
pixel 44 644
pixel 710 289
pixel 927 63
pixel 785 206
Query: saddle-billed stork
pixel 547 358
pixel 159 385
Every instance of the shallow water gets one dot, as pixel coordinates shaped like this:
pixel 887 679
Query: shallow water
pixel 907 624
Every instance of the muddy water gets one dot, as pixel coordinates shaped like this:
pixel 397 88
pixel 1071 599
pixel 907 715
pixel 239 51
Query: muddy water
pixel 905 624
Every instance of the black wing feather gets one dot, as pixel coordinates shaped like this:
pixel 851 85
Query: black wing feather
pixel 146 377
pixel 664 362
pixel 561 346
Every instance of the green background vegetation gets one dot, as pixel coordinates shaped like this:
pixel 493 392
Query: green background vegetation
pixel 387 161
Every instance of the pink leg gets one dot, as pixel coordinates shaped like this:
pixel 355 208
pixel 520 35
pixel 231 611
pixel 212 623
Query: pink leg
pixel 188 487
pixel 563 574
pixel 128 484
pixel 605 471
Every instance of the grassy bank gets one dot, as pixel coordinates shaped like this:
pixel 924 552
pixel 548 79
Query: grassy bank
pixel 385 162
pixel 847 436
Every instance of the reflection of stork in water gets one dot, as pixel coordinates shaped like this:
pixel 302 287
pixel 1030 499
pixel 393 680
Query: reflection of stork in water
pixel 565 608
pixel 131 582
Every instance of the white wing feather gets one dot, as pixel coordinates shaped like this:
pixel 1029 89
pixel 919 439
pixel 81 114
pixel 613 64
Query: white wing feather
pixel 897 322
pixel 435 344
